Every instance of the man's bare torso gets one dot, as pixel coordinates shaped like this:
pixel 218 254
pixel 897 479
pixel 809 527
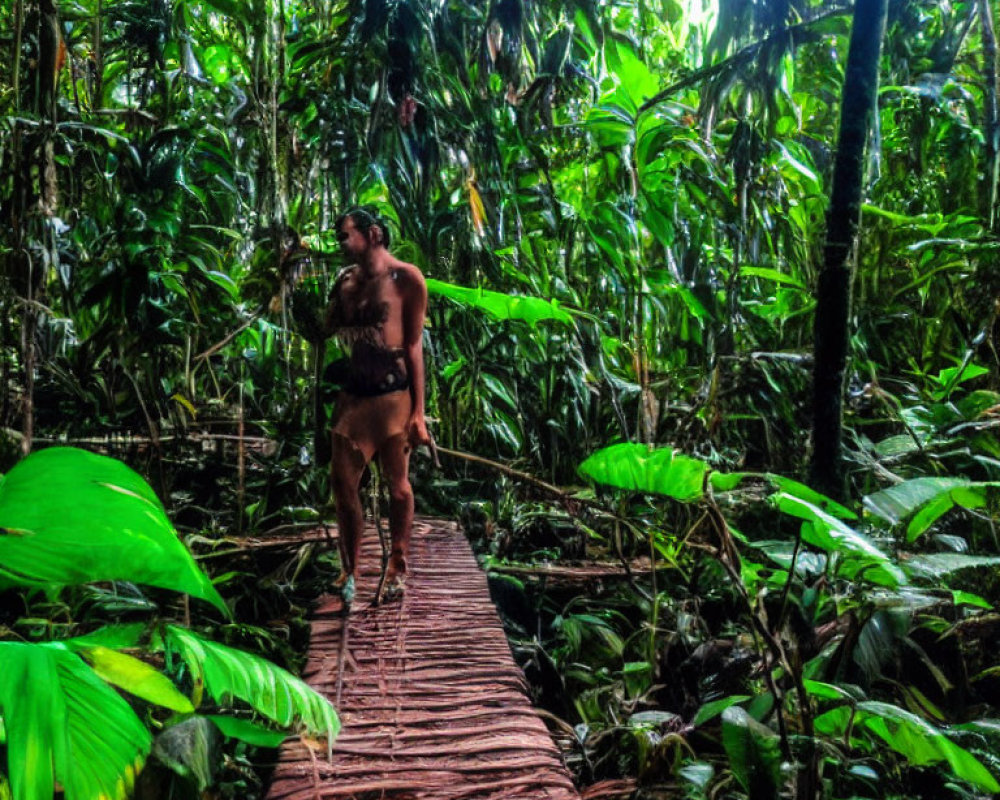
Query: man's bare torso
pixel 371 301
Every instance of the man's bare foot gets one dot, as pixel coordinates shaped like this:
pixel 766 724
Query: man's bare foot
pixel 395 586
pixel 347 592
pixel 393 582
pixel 392 588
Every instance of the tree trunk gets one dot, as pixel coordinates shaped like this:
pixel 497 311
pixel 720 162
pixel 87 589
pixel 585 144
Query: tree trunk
pixel 18 37
pixel 49 45
pixel 15 223
pixel 46 77
pixel 858 108
pixel 991 123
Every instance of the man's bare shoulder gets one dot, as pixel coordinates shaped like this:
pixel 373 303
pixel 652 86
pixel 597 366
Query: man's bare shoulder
pixel 407 275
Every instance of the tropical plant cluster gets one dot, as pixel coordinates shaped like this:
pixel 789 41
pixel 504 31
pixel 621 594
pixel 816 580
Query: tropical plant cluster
pixel 621 208
pixel 72 518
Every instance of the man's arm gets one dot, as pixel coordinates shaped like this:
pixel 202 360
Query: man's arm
pixel 334 318
pixel 414 312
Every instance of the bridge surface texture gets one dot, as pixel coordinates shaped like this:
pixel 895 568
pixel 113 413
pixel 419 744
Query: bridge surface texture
pixel 432 704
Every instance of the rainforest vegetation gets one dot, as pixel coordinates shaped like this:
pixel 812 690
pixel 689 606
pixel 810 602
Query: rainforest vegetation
pixel 711 354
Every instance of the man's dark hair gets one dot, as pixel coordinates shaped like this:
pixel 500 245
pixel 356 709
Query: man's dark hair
pixel 364 218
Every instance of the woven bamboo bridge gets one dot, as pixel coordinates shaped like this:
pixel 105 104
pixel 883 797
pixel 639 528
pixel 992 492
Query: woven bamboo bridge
pixel 433 705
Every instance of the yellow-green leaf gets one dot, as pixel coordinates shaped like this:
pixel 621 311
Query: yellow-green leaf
pixel 136 677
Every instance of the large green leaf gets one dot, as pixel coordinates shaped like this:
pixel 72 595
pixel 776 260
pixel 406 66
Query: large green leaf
pixel 713 708
pixel 502 306
pixel 639 468
pixel 612 126
pixel 754 753
pixel 227 673
pixel 947 379
pixel 935 566
pixel 727 481
pixel 924 500
pixel 826 691
pixel 828 533
pixel 247 731
pixel 911 736
pixel 69 517
pixel 632 73
pixel 65 724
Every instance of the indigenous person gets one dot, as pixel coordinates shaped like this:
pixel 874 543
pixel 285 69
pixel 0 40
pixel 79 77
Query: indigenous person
pixel 376 311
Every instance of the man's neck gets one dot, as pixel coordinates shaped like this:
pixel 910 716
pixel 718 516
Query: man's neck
pixel 375 263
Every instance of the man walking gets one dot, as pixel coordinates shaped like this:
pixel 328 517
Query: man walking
pixel 376 312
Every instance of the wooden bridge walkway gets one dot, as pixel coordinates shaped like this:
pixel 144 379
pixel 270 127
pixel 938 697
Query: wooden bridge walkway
pixel 433 706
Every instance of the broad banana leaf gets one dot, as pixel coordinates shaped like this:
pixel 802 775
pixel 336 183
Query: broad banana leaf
pixel 136 677
pixel 639 468
pixel 826 532
pixel 727 481
pixel 936 566
pixel 69 517
pixel 143 681
pixel 65 724
pixel 659 470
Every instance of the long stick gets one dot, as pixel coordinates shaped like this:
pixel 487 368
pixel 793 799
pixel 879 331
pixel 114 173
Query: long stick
pixel 383 536
pixel 342 652
pixel 215 348
pixel 514 473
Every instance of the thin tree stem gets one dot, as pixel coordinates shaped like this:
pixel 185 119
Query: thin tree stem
pixel 18 35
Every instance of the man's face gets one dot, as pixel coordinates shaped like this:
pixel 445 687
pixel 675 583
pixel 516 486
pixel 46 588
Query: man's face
pixel 353 243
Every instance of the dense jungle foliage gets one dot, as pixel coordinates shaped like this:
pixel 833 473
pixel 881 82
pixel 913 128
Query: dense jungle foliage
pixel 621 207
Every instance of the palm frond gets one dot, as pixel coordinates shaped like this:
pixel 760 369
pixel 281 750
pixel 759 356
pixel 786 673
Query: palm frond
pixel 227 673
pixel 65 724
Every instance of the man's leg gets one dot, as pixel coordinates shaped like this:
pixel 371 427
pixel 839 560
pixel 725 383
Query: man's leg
pixel 394 457
pixel 347 464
